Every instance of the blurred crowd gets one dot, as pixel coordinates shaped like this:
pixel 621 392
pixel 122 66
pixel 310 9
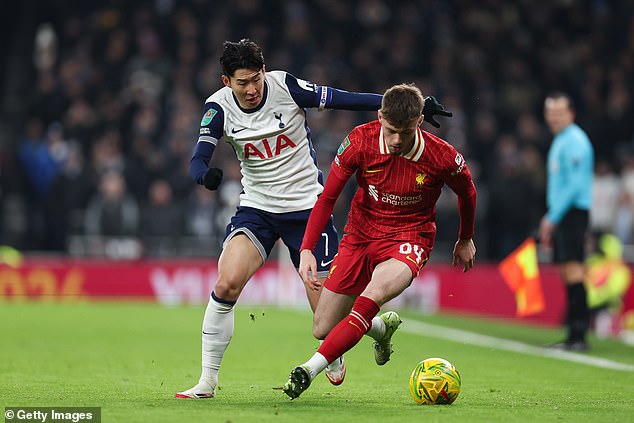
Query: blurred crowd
pixel 108 99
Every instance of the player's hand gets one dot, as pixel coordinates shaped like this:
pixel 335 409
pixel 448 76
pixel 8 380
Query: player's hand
pixel 212 178
pixel 308 269
pixel 433 107
pixel 546 228
pixel 464 252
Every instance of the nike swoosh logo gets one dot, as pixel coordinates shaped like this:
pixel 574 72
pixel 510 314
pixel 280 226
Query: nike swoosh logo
pixel 326 263
pixel 373 170
pixel 412 260
pixel 355 325
pixel 235 131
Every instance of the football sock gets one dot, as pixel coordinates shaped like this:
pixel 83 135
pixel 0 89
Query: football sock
pixel 316 364
pixel 578 312
pixel 208 373
pixel 377 329
pixel 216 334
pixel 349 331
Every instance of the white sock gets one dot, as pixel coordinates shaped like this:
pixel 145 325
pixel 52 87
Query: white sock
pixel 217 333
pixel 377 329
pixel 209 373
pixel 316 364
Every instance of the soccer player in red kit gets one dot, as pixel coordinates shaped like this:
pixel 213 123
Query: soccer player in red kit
pixel 400 171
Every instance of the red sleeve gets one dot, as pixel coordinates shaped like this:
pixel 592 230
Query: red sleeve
pixel 461 183
pixel 323 209
pixel 466 208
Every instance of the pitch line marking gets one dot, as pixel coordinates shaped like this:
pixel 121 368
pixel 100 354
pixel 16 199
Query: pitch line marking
pixel 466 337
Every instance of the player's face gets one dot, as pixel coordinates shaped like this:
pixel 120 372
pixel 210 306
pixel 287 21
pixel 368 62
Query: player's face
pixel 399 140
pixel 558 114
pixel 247 85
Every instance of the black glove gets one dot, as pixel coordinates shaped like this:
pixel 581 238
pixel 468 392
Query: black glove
pixel 433 107
pixel 212 178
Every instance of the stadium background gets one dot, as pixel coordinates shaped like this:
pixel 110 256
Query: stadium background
pixel 101 103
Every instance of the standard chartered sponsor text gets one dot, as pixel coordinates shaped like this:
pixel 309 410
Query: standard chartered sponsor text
pixel 397 200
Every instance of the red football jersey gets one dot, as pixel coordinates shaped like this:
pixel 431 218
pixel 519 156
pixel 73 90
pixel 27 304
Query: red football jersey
pixel 397 195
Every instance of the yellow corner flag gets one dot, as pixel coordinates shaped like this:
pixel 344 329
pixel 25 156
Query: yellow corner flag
pixel 521 273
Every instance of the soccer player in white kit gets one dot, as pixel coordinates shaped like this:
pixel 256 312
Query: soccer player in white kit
pixel 262 115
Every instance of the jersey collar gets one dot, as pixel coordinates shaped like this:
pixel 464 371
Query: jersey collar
pixel 413 154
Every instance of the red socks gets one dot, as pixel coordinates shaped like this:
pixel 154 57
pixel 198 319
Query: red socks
pixel 350 330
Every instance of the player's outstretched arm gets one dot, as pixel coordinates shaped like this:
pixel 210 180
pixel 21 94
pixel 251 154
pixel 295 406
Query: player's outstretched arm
pixel 307 94
pixel 308 269
pixel 464 252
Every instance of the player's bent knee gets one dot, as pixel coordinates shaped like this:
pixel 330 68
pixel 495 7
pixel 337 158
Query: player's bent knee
pixel 320 330
pixel 319 333
pixel 228 291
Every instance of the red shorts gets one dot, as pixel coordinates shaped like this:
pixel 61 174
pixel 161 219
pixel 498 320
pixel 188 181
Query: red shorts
pixel 351 270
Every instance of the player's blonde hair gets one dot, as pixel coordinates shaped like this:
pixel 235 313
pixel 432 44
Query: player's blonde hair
pixel 401 104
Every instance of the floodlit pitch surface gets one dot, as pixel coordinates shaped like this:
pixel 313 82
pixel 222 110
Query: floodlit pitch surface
pixel 130 359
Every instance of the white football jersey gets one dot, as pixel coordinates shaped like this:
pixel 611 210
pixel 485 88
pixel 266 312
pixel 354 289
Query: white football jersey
pixel 278 163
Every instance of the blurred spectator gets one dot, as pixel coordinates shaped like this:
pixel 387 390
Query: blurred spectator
pixel 42 158
pixel 624 218
pixel 624 223
pixel 607 282
pixel 508 224
pixel 200 215
pixel 112 212
pixel 606 191
pixel 160 216
pixel 161 221
pixel 124 79
pixel 69 196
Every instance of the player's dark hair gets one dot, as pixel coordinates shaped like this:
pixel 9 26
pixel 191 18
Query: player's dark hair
pixel 401 104
pixel 560 94
pixel 245 54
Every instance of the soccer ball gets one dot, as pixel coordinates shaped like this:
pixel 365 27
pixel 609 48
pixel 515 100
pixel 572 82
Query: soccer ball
pixel 434 381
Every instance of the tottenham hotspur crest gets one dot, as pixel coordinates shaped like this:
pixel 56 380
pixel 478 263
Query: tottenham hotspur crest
pixel 278 116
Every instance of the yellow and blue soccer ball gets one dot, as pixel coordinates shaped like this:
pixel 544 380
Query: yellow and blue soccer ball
pixel 434 381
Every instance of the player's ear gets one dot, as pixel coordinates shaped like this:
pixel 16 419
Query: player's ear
pixel 420 120
pixel 379 115
pixel 226 80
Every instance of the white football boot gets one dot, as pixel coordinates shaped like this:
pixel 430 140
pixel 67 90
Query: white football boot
pixel 336 371
pixel 205 388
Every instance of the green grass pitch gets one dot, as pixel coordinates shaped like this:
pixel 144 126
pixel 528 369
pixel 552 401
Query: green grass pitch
pixel 130 359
